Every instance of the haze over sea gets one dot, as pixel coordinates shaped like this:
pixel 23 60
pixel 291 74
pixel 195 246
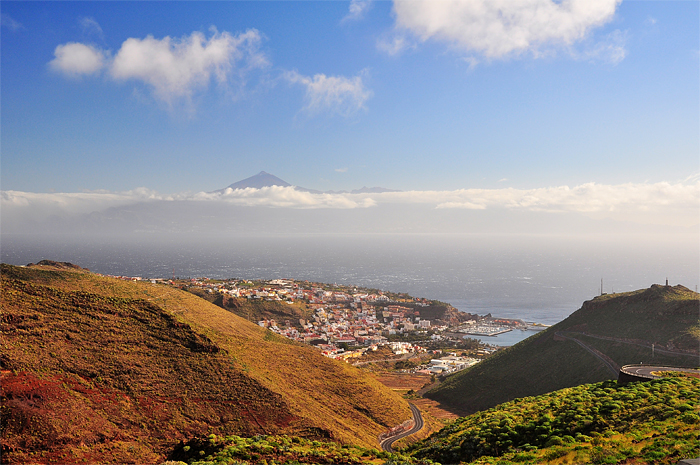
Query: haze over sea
pixel 536 278
pixel 512 154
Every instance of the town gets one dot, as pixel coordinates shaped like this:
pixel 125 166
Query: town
pixel 352 323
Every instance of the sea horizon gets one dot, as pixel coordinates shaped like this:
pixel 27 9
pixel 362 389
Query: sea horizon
pixel 533 278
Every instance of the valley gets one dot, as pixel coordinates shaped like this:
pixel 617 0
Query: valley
pixel 99 369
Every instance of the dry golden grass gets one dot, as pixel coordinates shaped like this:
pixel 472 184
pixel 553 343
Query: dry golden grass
pixel 333 396
pixel 403 381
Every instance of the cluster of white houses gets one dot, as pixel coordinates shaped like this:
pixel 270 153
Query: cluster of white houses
pixel 343 319
pixel 334 326
pixel 340 319
pixel 449 364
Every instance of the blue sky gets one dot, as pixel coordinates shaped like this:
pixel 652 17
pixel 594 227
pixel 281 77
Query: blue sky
pixel 582 105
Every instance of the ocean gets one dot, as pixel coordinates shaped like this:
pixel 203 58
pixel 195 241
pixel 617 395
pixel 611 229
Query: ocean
pixel 535 278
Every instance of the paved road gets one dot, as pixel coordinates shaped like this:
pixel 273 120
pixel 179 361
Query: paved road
pixel 646 370
pixel 418 425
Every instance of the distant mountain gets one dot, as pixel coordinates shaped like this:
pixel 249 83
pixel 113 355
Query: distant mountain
pixel 264 179
pixel 260 180
pixel 587 347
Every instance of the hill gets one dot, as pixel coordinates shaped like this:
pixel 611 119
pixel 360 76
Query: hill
pixel 96 369
pixel 587 347
pixel 643 423
pixel 260 180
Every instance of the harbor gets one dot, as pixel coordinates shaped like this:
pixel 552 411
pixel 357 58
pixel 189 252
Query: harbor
pixel 499 331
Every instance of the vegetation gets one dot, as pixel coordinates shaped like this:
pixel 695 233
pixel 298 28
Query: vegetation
pixel 100 370
pixel 86 374
pixel 405 365
pixel 649 422
pixel 257 309
pixel 621 327
pixel 217 450
pixel 97 369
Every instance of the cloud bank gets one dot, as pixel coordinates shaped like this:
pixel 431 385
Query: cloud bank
pixel 502 28
pixel 658 203
pixel 285 197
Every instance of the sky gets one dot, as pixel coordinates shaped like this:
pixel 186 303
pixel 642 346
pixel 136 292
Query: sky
pixel 586 107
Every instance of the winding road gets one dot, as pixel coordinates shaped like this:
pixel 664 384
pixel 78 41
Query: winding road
pixel 417 426
pixel 647 371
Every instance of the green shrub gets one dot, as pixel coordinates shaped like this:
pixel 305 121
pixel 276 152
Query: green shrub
pixel 555 453
pixel 524 457
pixel 554 441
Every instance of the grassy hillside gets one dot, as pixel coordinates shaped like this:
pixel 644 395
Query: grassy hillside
pixel 588 346
pixel 652 422
pixel 97 369
pixel 282 450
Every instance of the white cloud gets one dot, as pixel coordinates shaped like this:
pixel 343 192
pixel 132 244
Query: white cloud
pixel 500 28
pixel 334 94
pixel 612 49
pixel 341 170
pixel 8 22
pixel 357 9
pixel 90 26
pixel 692 178
pixel 175 68
pixel 172 68
pixel 394 44
pixel 75 59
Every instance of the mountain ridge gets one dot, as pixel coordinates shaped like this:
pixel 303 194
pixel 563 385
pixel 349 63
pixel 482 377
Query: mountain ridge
pixel 265 179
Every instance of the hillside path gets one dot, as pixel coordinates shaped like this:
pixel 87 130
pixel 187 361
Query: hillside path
pixel 614 367
pixel 417 426
pixel 634 343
